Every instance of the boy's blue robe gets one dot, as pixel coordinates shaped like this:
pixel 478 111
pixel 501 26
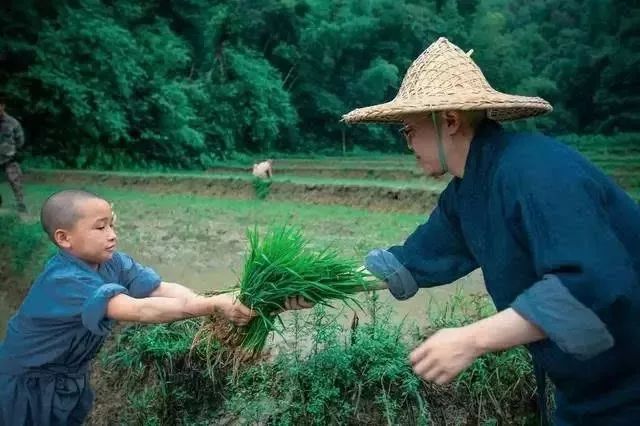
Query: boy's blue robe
pixel 57 331
pixel 558 242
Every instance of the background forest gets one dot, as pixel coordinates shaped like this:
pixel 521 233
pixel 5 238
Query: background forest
pixel 186 83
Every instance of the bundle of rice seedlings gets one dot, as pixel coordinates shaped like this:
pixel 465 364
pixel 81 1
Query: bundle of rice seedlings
pixel 279 266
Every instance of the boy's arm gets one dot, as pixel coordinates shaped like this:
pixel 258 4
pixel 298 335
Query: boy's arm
pixel 177 291
pixel 156 310
pixel 173 290
pixel 172 302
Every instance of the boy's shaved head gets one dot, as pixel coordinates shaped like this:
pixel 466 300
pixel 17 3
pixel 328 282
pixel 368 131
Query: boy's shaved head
pixel 60 210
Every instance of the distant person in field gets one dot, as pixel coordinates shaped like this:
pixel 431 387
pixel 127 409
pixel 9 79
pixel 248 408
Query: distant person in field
pixel 11 141
pixel 558 242
pixel 70 309
pixel 264 169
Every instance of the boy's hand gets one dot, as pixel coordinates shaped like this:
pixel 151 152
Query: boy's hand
pixel 231 308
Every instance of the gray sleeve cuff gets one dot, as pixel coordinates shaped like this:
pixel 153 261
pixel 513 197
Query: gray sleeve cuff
pixel 145 284
pixel 386 267
pixel 572 326
pixel 140 280
pixel 94 311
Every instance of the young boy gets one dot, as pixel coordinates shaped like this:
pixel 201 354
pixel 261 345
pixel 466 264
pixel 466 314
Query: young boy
pixel 70 308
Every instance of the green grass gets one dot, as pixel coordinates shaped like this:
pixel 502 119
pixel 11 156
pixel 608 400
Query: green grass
pixel 497 386
pixel 280 160
pixel 279 265
pixel 25 242
pixel 364 381
pixel 621 143
pixel 331 166
pixel 160 376
pixel 618 155
pixel 262 187
pixel 144 218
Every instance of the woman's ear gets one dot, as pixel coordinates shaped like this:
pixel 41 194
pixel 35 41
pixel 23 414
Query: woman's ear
pixel 61 237
pixel 452 122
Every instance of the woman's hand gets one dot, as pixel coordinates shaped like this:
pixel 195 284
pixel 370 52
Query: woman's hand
pixel 296 303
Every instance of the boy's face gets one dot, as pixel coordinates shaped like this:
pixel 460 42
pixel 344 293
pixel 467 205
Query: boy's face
pixel 92 238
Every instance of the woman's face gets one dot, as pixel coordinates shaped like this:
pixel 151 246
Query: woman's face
pixel 422 139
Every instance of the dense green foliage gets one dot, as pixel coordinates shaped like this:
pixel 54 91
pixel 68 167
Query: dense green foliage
pixel 327 375
pixel 120 83
pixel 162 379
pixel 367 381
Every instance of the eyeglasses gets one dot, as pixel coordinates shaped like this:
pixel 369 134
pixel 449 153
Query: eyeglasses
pixel 406 132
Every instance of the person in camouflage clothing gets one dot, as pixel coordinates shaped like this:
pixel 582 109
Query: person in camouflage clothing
pixel 11 140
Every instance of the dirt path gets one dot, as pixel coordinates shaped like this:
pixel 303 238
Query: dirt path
pixel 338 172
pixel 375 198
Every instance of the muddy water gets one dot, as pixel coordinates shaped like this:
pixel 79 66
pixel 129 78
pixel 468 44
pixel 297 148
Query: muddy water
pixel 223 272
pixel 412 313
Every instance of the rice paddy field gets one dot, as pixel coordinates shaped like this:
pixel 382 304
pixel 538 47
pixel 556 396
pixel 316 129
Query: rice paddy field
pixel 339 364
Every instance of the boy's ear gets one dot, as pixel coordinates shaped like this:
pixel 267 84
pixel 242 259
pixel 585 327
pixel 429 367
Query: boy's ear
pixel 61 237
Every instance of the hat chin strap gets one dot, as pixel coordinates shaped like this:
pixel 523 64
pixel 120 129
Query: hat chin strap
pixel 441 155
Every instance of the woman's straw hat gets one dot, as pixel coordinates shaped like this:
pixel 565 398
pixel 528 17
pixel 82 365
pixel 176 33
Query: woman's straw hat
pixel 444 78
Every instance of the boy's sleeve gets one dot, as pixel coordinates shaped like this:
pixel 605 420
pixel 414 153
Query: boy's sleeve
pixel 82 295
pixel 94 309
pixel 139 280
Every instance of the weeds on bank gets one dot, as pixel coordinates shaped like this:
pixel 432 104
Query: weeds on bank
pixel 325 374
pixel 24 242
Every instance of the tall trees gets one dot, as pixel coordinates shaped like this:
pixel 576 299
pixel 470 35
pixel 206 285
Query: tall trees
pixel 122 83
